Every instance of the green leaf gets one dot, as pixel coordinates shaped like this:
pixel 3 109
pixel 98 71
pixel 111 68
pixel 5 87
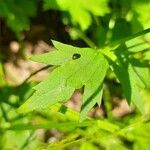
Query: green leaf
pixel 144 74
pixel 123 76
pixel 132 41
pixel 88 146
pixel 94 88
pixel 136 86
pixel 78 67
pixel 62 55
pixel 132 83
pixel 138 44
pixel 80 9
pixel 139 78
pixel 141 8
pixel 132 73
pixel 15 13
pixel 2 78
pixel 40 101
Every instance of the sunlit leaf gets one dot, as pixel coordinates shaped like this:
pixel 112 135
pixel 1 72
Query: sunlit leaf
pixel 78 67
pixel 80 11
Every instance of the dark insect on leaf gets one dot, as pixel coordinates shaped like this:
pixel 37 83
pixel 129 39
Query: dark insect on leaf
pixel 76 56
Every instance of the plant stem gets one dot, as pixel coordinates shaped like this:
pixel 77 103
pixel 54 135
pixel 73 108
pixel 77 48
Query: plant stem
pixel 4 113
pixel 88 41
pixel 107 102
pixel 35 72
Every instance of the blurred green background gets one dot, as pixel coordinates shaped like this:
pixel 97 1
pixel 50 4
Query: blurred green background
pixel 26 29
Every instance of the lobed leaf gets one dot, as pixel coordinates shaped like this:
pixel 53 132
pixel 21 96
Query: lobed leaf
pixel 77 67
pixel 94 88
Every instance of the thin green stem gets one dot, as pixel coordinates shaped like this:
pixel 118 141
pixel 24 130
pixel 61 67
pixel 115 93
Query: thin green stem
pixel 4 113
pixel 87 40
pixel 107 102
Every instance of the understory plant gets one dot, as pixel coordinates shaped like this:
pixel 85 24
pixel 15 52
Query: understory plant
pixel 87 67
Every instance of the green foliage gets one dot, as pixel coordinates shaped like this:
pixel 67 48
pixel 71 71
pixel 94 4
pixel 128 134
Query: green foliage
pixel 78 67
pixel 142 10
pixel 72 74
pixel 133 15
pixel 2 81
pixel 17 13
pixel 114 68
pixel 79 10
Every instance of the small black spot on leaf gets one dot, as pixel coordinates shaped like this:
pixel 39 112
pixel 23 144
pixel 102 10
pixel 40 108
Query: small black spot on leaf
pixel 76 56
